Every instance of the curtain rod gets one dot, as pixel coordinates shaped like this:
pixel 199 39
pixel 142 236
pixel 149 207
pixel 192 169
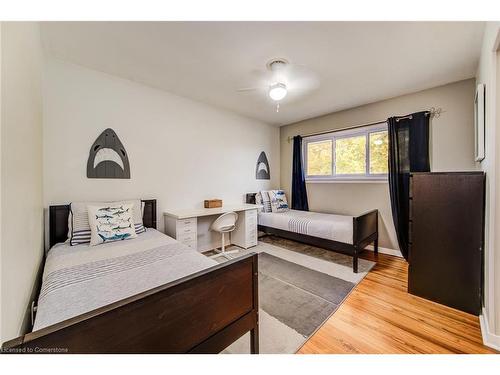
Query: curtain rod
pixel 433 112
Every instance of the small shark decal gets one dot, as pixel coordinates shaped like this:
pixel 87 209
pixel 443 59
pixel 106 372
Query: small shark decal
pixel 107 209
pixel 262 171
pixel 119 227
pixel 107 157
pixel 115 237
pixel 120 212
pixel 105 216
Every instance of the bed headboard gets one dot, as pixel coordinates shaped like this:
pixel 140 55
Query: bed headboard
pixel 58 220
pixel 250 198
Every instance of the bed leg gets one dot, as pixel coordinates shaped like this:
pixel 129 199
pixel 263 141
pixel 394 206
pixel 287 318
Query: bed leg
pixel 355 262
pixel 375 246
pixel 254 341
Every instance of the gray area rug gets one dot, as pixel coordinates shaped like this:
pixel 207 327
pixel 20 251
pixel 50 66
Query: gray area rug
pixel 297 296
pixel 298 292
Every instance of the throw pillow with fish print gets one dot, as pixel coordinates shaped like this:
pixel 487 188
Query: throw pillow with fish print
pixel 278 201
pixel 109 223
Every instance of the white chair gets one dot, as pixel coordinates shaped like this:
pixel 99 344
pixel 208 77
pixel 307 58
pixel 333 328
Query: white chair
pixel 225 223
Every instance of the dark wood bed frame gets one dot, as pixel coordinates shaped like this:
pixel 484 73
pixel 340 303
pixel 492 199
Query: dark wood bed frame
pixel 365 231
pixel 200 313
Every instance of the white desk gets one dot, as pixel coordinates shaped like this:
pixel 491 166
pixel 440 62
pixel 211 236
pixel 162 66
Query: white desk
pixel 192 226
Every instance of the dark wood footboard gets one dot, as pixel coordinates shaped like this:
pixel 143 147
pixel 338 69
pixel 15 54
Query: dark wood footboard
pixel 201 313
pixel 365 231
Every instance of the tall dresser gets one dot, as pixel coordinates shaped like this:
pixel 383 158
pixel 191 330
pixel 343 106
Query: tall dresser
pixel 446 238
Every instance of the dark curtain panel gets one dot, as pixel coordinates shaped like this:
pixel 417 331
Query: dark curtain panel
pixel 408 152
pixel 299 193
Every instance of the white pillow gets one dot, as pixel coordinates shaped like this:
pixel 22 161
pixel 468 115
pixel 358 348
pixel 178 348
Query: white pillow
pixel 78 219
pixel 110 223
pixel 278 201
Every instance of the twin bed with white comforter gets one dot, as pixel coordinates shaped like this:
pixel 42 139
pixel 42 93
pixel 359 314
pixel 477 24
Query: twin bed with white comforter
pixel 148 294
pixel 79 279
pixel 340 233
pixel 328 226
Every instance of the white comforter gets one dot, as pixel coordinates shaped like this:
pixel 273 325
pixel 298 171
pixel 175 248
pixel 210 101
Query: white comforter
pixel 331 227
pixel 78 279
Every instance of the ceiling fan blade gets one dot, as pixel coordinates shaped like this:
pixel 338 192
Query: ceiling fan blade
pixel 244 89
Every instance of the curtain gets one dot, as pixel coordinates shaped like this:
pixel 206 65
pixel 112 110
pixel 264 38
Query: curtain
pixel 299 193
pixel 408 152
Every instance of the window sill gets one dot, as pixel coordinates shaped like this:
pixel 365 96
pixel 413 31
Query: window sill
pixel 349 181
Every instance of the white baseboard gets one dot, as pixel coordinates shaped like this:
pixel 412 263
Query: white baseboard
pixel 489 339
pixel 385 250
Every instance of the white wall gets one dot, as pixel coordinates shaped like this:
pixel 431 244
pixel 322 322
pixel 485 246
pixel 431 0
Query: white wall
pixel 21 172
pixel 180 151
pixel 488 74
pixel 452 149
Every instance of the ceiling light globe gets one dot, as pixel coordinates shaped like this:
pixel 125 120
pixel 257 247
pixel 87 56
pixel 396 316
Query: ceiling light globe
pixel 277 91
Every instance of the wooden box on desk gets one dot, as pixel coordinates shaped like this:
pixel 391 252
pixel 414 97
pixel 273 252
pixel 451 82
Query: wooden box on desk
pixel 213 203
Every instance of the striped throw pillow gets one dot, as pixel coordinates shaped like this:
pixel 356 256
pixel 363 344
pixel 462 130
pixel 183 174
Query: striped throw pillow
pixel 266 201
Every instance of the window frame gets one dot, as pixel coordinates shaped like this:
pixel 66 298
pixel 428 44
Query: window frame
pixel 340 134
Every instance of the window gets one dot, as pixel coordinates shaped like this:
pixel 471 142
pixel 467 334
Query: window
pixel 353 154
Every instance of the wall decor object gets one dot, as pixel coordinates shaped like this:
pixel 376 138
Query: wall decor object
pixel 212 203
pixel 107 157
pixel 479 122
pixel 262 171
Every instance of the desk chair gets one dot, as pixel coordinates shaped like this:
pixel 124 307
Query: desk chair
pixel 225 223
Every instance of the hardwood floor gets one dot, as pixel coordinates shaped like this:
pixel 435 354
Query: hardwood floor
pixel 379 316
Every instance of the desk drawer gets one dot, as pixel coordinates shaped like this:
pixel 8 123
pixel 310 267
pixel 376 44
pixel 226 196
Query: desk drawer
pixel 191 244
pixel 186 237
pixel 185 230
pixel 251 215
pixel 186 226
pixel 186 222
pixel 251 220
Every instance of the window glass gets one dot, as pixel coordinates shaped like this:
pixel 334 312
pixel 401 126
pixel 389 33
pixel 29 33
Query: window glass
pixel 379 147
pixel 319 158
pixel 350 155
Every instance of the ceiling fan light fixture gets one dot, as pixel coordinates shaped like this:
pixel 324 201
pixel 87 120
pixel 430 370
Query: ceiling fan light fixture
pixel 277 91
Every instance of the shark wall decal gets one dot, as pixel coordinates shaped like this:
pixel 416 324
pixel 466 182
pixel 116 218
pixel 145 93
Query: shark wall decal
pixel 107 157
pixel 262 171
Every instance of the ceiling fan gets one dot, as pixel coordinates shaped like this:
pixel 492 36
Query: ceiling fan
pixel 282 79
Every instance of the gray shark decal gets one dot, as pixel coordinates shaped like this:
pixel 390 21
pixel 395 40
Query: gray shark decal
pixel 262 171
pixel 107 157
